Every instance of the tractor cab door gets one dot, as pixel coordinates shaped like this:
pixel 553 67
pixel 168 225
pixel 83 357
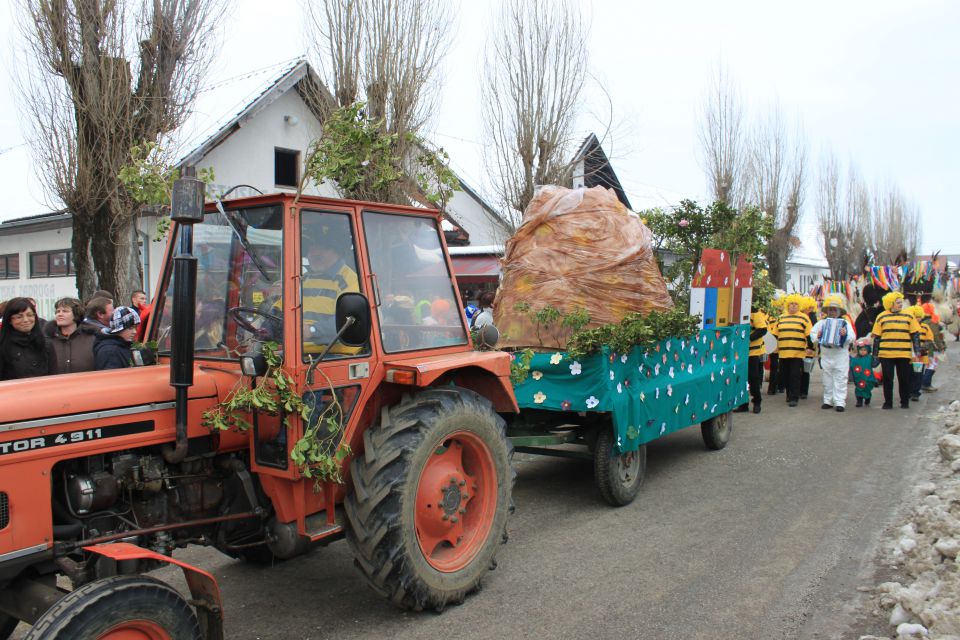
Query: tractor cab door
pixel 328 261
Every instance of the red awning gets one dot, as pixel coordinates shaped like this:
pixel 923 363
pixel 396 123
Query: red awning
pixel 476 266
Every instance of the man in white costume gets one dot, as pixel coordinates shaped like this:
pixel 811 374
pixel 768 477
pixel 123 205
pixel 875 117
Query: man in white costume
pixel 834 335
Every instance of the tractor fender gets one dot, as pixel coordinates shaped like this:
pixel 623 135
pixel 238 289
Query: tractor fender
pixel 487 373
pixel 204 591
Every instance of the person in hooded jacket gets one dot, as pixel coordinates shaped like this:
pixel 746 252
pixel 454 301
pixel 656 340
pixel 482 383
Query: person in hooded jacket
pixel 112 347
pixel 23 351
pixel 71 339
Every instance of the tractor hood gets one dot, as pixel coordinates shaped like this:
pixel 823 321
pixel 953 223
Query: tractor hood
pixel 91 392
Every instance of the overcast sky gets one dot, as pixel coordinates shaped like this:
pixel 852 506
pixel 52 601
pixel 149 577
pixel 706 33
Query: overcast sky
pixel 876 81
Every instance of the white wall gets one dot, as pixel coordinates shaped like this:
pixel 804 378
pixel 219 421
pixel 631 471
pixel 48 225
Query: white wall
pixel 801 277
pixel 46 291
pixel 479 223
pixel 246 156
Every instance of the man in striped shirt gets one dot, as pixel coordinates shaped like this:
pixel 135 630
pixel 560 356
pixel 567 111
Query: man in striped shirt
pixel 896 338
pixel 793 341
pixel 326 277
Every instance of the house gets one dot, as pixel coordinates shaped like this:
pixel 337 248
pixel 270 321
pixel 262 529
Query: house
pixel 807 265
pixel 253 131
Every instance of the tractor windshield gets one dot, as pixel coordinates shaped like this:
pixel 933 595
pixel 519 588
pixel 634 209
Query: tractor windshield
pixel 418 307
pixel 239 283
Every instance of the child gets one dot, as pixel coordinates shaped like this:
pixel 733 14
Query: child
pixel 834 334
pixel 793 341
pixel 864 379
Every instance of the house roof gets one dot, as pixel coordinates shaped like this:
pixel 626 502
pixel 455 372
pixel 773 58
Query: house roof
pixel 810 250
pixel 597 170
pixel 210 123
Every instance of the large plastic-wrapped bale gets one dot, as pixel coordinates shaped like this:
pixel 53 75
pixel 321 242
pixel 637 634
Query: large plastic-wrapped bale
pixel 575 249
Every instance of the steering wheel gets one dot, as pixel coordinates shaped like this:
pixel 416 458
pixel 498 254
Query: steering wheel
pixel 240 315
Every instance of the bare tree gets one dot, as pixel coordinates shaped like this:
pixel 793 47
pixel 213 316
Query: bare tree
pixel 895 226
pixel 536 63
pixel 777 185
pixel 100 77
pixel 722 137
pixel 386 54
pixel 843 211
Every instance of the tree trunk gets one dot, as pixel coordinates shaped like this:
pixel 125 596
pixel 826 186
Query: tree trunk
pixel 86 279
pixel 116 256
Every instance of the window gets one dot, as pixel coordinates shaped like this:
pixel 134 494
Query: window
pixel 239 283
pixel 329 266
pixel 51 264
pixel 286 167
pixel 10 266
pixel 419 308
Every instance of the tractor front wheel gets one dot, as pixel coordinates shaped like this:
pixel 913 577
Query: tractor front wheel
pixel 128 607
pixel 429 498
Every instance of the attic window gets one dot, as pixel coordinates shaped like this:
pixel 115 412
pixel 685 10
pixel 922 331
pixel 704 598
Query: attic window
pixel 286 167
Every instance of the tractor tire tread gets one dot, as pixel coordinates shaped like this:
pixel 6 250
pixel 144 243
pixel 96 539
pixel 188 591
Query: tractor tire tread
pixel 375 496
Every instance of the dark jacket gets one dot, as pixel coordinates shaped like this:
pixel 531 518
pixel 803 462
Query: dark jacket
pixel 111 352
pixel 865 321
pixel 25 355
pixel 74 352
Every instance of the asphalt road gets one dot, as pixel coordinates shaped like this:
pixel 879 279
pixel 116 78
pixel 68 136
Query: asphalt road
pixel 769 538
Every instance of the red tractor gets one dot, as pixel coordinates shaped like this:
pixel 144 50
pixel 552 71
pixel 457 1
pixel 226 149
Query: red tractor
pixel 104 474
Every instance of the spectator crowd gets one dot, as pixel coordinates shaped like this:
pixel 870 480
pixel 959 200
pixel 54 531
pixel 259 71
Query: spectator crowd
pixel 91 336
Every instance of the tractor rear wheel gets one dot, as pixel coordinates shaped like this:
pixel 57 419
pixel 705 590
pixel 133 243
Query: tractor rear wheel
pixel 428 500
pixel 618 475
pixel 716 431
pixel 129 607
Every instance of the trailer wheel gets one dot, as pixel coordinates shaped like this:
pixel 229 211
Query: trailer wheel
pixel 429 498
pixel 618 475
pixel 716 431
pixel 119 608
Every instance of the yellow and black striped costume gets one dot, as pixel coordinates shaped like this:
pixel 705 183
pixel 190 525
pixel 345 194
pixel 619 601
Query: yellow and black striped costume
pixel 895 330
pixel 793 330
pixel 319 295
pixel 758 320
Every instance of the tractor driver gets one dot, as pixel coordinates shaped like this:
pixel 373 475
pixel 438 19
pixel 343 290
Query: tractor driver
pixel 326 275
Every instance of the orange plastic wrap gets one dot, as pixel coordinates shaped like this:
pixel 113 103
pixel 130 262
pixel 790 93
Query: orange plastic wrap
pixel 576 248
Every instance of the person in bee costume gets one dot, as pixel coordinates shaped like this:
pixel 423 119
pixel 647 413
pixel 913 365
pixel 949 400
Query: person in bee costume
pixel 833 335
pixel 896 338
pixel 793 343
pixel 758 329
pixel 809 307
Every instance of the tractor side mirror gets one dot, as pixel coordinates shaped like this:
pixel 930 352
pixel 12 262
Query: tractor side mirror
pixel 254 365
pixel 356 306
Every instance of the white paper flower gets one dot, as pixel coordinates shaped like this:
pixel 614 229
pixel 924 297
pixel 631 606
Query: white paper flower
pixel 575 368
pixel 539 397
pixel 657 394
pixel 686 400
pixel 619 388
pixel 623 359
pixel 663 427
pixel 669 390
pixel 689 368
pixel 723 340
pixel 592 402
pixel 556 358
pixel 656 370
pixel 671 373
pixel 668 345
pixel 536 375
pixel 611 375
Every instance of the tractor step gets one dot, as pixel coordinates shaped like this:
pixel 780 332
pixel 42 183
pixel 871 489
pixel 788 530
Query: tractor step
pixel 317 527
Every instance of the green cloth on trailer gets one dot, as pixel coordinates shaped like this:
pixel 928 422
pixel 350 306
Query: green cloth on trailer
pixel 650 391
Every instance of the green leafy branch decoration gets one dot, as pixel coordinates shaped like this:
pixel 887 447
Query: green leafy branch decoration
pixel 316 454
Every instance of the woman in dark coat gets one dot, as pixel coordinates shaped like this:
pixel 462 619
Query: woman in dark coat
pixel 70 339
pixel 23 351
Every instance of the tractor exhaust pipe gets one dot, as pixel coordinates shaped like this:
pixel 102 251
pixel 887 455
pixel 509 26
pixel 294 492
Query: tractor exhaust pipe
pixel 186 209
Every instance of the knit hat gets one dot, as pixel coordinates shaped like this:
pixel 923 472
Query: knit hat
pixel 889 299
pixel 123 318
